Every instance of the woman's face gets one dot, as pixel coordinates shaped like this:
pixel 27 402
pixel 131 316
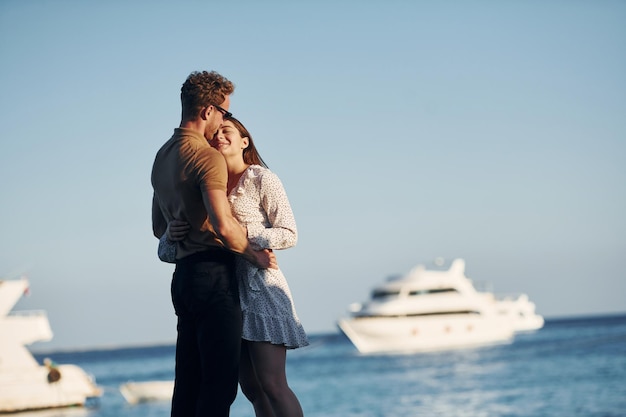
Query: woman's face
pixel 228 140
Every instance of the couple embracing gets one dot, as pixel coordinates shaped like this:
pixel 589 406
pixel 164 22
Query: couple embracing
pixel 219 213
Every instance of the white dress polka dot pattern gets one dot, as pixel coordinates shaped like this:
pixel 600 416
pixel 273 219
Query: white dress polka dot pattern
pixel 259 202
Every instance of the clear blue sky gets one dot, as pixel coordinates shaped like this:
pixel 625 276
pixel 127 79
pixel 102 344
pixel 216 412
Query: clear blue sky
pixel 494 131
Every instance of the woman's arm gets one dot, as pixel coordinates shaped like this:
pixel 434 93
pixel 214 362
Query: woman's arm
pixel 176 230
pixel 166 250
pixel 282 233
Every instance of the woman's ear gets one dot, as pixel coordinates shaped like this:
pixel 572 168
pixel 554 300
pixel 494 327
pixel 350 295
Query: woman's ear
pixel 245 141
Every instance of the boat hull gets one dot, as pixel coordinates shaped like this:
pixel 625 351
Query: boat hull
pixel 24 383
pixel 138 392
pixel 29 389
pixel 424 333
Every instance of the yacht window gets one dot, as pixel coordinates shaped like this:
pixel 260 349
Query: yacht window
pixel 437 313
pixel 432 291
pixel 385 293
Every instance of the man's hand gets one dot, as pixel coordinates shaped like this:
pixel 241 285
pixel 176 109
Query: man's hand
pixel 264 259
pixel 177 230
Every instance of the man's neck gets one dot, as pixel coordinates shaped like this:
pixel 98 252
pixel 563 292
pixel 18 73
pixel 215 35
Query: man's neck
pixel 195 125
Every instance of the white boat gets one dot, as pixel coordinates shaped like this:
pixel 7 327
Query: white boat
pixel 24 383
pixel 431 310
pixel 138 392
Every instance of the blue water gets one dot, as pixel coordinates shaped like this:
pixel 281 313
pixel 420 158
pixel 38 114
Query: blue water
pixel 573 367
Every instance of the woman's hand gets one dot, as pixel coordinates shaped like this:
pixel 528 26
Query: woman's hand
pixel 265 258
pixel 177 230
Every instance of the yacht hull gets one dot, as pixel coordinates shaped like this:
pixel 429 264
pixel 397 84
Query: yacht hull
pixel 424 333
pixel 29 389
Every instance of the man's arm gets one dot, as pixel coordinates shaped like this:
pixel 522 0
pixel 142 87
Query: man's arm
pixel 159 224
pixel 232 234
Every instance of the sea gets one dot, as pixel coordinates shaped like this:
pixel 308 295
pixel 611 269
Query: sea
pixel 571 367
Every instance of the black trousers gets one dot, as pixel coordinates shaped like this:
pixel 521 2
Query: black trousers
pixel 206 301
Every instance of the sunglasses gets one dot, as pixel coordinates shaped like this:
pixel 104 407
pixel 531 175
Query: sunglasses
pixel 226 114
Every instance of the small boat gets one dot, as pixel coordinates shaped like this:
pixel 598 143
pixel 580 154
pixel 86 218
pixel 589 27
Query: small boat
pixel 139 392
pixel 24 383
pixel 432 310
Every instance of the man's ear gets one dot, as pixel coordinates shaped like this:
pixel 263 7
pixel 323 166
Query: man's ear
pixel 206 112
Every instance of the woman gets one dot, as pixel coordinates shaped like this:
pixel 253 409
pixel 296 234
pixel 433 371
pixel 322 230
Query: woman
pixel 270 323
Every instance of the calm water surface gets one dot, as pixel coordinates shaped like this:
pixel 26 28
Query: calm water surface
pixel 574 367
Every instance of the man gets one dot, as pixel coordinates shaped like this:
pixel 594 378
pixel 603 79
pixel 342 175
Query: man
pixel 189 180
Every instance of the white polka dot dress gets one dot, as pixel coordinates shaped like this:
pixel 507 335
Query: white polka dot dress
pixel 259 202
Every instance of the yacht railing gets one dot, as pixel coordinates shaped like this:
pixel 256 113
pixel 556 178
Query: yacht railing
pixel 28 313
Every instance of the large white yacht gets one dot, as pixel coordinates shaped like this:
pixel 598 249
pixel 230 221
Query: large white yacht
pixel 430 310
pixel 24 383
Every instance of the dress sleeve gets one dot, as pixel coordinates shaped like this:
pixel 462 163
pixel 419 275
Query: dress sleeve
pixel 282 232
pixel 166 250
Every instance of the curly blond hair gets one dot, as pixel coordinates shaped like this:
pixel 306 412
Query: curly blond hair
pixel 202 89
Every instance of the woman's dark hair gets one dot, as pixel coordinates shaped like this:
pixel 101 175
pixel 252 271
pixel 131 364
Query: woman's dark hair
pixel 250 154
